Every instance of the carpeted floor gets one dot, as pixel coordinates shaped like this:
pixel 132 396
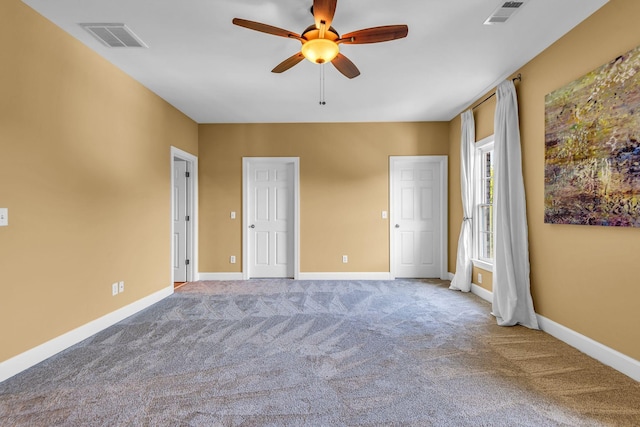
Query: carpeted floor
pixel 312 353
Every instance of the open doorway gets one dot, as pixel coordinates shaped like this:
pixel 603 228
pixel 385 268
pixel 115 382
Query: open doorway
pixel 184 203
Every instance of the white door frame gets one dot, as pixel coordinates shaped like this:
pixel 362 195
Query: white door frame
pixel 192 206
pixel 444 229
pixel 246 161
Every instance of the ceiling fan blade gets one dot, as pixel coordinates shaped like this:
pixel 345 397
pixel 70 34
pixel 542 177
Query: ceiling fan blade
pixel 323 10
pixel 345 66
pixel 376 34
pixel 264 28
pixel 288 63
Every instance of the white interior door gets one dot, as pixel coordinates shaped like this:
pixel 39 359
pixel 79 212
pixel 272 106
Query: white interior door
pixel 418 225
pixel 270 218
pixel 180 221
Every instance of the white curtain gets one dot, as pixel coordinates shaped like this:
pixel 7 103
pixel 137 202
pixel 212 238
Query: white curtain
pixel 462 279
pixel 512 303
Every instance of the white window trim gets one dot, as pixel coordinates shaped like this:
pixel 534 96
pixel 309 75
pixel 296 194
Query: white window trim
pixel 480 147
pixel 482 264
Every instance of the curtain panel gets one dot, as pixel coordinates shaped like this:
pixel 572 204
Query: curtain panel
pixel 462 278
pixel 512 302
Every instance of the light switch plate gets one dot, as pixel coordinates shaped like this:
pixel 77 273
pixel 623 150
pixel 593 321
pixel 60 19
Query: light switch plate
pixel 4 217
pixel 233 215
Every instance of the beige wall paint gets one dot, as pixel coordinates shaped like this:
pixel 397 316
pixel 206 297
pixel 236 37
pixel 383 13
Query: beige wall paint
pixel 581 277
pixel 344 180
pixel 85 173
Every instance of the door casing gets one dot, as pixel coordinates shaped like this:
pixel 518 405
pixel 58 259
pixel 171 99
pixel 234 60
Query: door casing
pixel 246 162
pixel 192 208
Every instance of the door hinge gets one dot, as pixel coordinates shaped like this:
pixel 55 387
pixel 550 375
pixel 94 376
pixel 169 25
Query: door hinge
pixel 187 218
pixel 187 174
pixel 186 262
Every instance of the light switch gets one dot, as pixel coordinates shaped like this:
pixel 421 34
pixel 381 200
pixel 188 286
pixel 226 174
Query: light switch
pixel 4 217
pixel 384 214
pixel 233 215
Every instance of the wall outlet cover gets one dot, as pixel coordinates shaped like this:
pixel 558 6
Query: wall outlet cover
pixel 4 217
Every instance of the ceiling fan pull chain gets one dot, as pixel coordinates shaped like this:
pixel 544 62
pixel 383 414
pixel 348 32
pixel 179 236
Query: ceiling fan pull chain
pixel 322 98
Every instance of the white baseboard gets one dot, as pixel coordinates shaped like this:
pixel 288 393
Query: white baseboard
pixel 346 276
pixel 598 351
pixel 220 276
pixel 32 357
pixel 482 292
pixel 590 347
pixel 382 275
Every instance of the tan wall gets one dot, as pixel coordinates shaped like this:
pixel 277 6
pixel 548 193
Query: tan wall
pixel 582 277
pixel 344 180
pixel 85 173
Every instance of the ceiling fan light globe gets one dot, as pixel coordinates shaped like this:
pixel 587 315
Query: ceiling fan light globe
pixel 320 51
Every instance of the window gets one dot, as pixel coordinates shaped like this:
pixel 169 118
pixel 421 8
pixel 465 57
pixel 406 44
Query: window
pixel 483 200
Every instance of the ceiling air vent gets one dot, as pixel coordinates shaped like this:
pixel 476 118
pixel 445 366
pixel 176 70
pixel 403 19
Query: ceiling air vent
pixel 504 12
pixel 114 35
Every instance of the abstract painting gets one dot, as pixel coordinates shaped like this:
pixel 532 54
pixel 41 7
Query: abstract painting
pixel 592 147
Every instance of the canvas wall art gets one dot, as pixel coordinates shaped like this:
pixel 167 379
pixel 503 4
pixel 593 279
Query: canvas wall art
pixel 592 147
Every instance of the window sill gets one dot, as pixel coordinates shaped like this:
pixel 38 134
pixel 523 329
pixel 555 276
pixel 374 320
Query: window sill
pixel 483 265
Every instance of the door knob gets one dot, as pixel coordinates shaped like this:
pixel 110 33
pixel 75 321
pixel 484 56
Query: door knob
pixel 252 226
pixel 397 225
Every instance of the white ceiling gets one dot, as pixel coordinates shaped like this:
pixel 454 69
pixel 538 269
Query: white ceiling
pixel 216 72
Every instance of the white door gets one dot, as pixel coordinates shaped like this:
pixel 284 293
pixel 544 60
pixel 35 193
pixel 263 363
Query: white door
pixel 180 220
pixel 418 227
pixel 270 218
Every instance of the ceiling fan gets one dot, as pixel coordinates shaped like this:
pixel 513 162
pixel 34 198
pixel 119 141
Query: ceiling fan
pixel 320 42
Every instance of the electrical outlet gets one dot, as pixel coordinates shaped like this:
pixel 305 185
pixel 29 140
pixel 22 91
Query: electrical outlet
pixel 384 214
pixel 233 215
pixel 345 259
pixel 232 259
pixel 114 289
pixel 479 278
pixel 4 217
pixel 121 286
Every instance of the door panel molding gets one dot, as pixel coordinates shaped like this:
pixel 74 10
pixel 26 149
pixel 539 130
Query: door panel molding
pixel 246 163
pixel 395 217
pixel 181 238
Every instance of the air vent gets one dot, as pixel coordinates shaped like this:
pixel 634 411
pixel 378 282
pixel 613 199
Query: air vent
pixel 504 12
pixel 496 20
pixel 114 35
pixel 513 4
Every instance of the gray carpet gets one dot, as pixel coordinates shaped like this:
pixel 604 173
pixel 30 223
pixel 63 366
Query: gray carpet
pixel 296 353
